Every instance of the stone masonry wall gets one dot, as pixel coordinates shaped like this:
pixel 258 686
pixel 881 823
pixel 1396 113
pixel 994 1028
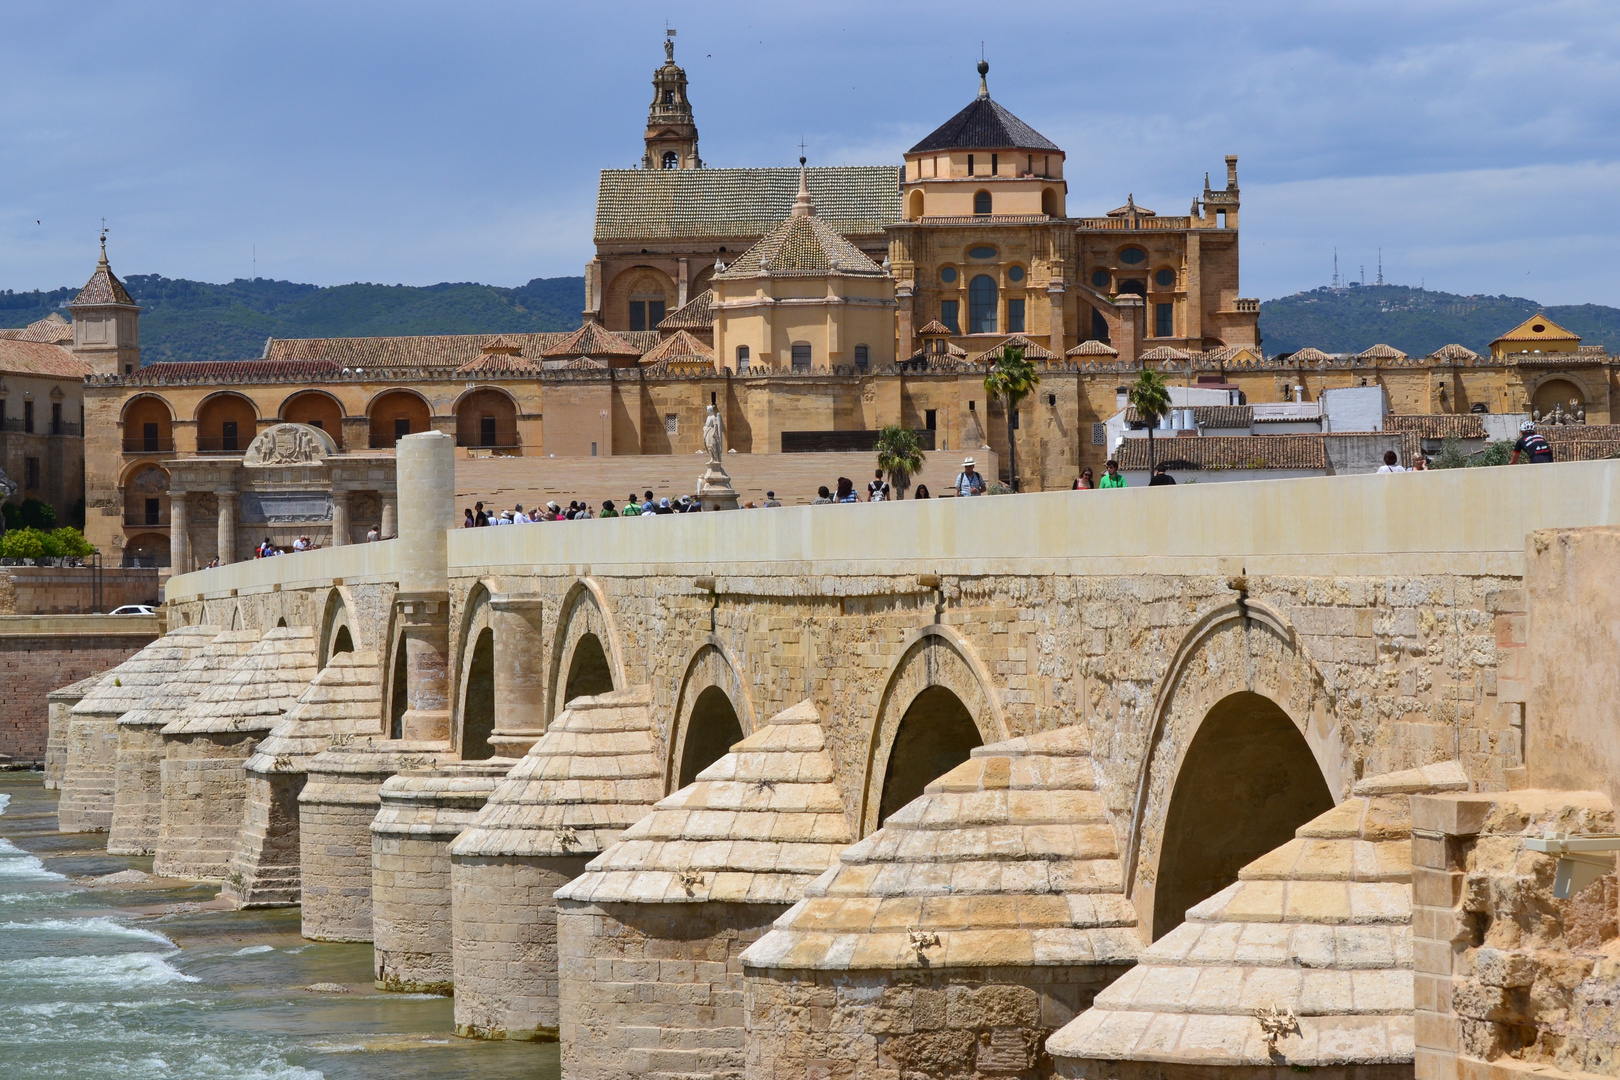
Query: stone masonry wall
pixel 39 654
pixel 654 990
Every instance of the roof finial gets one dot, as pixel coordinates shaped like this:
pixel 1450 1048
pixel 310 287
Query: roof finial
pixel 669 43
pixel 984 84
pixel 802 206
pixel 103 241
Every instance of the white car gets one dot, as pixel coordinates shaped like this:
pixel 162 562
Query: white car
pixel 134 609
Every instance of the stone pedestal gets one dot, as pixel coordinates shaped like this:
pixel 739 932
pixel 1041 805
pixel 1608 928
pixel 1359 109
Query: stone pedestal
pixel 204 796
pixel 335 810
pixel 421 813
pixel 59 710
pixel 714 489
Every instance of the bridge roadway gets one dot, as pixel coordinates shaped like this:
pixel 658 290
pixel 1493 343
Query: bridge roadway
pixel 1241 653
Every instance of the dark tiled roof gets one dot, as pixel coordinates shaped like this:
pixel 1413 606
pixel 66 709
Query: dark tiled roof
pixel 1210 416
pixel 984 125
pixel 427 350
pixel 103 288
pixel 657 204
pixel 1227 452
pixel 233 371
pixel 40 358
pixel 802 246
pixel 1438 425
pixel 696 314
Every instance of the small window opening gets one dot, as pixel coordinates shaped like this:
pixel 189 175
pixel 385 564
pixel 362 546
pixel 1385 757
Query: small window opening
pixel 930 419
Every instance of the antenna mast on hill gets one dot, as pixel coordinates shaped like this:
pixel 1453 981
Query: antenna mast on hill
pixel 1335 268
pixel 1380 266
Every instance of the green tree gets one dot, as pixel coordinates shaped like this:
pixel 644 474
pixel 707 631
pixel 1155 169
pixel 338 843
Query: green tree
pixel 900 454
pixel 1011 380
pixel 23 543
pixel 1151 399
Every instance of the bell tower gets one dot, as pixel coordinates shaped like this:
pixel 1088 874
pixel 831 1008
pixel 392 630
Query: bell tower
pixel 672 137
pixel 106 322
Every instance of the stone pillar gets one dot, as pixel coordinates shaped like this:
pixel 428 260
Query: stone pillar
pixel 340 518
pixel 519 674
pixel 227 526
pixel 388 527
pixel 426 472
pixel 1055 295
pixel 1193 320
pixel 682 285
pixel 905 299
pixel 1129 339
pixel 179 534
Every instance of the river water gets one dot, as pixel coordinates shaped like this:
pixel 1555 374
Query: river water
pixel 150 979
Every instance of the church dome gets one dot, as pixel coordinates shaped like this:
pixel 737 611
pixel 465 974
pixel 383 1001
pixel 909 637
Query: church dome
pixel 984 125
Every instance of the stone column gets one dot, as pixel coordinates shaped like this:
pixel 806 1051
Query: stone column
pixel 682 283
pixel 227 526
pixel 340 518
pixel 1055 295
pixel 388 528
pixel 905 298
pixel 519 674
pixel 426 479
pixel 179 534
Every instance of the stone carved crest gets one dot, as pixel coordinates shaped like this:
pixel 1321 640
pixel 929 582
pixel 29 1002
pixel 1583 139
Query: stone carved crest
pixel 289 444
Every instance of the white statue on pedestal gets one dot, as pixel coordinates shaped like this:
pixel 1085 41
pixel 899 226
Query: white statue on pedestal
pixel 713 438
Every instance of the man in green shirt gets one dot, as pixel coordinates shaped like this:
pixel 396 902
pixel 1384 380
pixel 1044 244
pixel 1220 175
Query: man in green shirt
pixel 1111 478
pixel 632 507
pixel 607 509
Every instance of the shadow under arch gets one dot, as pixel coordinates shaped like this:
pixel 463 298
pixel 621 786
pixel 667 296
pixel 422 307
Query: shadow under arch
pixel 712 712
pixel 933 658
pixel 474 689
pixel 339 632
pixel 578 663
pixel 1242 668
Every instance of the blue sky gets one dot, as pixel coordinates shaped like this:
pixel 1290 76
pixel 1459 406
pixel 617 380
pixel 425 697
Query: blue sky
pixel 1476 143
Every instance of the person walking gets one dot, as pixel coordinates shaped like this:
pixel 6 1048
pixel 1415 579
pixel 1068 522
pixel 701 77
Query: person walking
pixel 771 499
pixel 1533 444
pixel 1392 463
pixel 467 521
pixel 372 535
pixel 480 519
pixel 968 481
pixel 1111 477
pixel 846 490
pixel 877 490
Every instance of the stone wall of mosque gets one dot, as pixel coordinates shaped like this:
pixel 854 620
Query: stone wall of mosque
pixel 39 653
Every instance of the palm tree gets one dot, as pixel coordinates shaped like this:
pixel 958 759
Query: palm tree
pixel 1012 379
pixel 1151 400
pixel 900 454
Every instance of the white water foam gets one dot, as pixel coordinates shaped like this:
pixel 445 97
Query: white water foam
pixel 254 950
pixel 99 926
pixel 5 801
pixel 17 865
pixel 123 971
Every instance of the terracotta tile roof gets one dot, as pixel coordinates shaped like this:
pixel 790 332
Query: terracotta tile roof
pixel 1579 432
pixel 1210 416
pixel 802 246
pixel 1538 328
pixel 984 125
pixel 934 328
pixel 232 371
pixel 1586 449
pixel 1032 351
pixel 1165 352
pixel 1308 355
pixel 1092 348
pixel 496 364
pixel 52 330
pixel 103 288
pixel 1455 353
pixel 1438 425
pixel 38 358
pixel 426 350
pixel 592 339
pixel 501 344
pixel 696 314
pixel 1227 452
pixel 653 204
pixel 578 363
pixel 1381 352
pixel 1228 354
pixel 677 348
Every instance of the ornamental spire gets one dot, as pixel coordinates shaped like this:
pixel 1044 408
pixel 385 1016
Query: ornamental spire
pixel 984 83
pixel 802 206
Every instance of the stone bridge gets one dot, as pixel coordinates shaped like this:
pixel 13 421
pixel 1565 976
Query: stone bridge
pixel 1237 658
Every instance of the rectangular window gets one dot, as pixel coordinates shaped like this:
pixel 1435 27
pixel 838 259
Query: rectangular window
pixel 1099 327
pixel 742 359
pixel 638 315
pixel 152 511
pixel 402 426
pixel 317 424
pixel 31 473
pixel 1015 316
pixel 672 424
pixel 970 164
pixel 930 419
pixel 655 313
pixel 2 413
pixel 995 164
pixel 486 430
pixel 1220 219
pixel 56 418
pixel 947 315
pixel 863 357
pixel 801 356
pixel 1164 320
pixel 149 437
pixel 227 435
pixel 593 449
pixel 28 417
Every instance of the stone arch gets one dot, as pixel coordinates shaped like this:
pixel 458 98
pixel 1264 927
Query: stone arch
pixel 146 549
pixel 1557 390
pixel 146 495
pixel 701 722
pixel 397 411
pixel 226 422
pixel 914 205
pixel 584 629
pixel 336 622
pixel 475 677
pixel 486 416
pixel 1241 648
pixel 398 697
pixel 933 657
pixel 147 421
pixel 316 408
pixel 644 285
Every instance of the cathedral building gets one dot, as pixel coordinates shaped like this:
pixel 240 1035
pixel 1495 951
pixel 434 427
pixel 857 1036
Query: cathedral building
pixel 809 306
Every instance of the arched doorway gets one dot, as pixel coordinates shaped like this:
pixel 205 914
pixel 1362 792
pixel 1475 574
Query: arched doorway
pixel 226 423
pixel 588 671
pixel 486 417
pixel 936 734
pixel 711 732
pixel 317 409
pixel 1247 781
pixel 478 707
pixel 148 426
pixel 395 414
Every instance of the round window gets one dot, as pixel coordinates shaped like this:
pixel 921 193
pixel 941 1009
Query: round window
pixel 1164 278
pixel 1131 256
pixel 1538 328
pixel 982 253
pixel 1015 273
pixel 948 274
pixel 1100 279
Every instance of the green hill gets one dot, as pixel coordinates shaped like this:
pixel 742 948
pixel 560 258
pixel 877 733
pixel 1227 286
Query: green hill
pixel 1416 321
pixel 194 320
